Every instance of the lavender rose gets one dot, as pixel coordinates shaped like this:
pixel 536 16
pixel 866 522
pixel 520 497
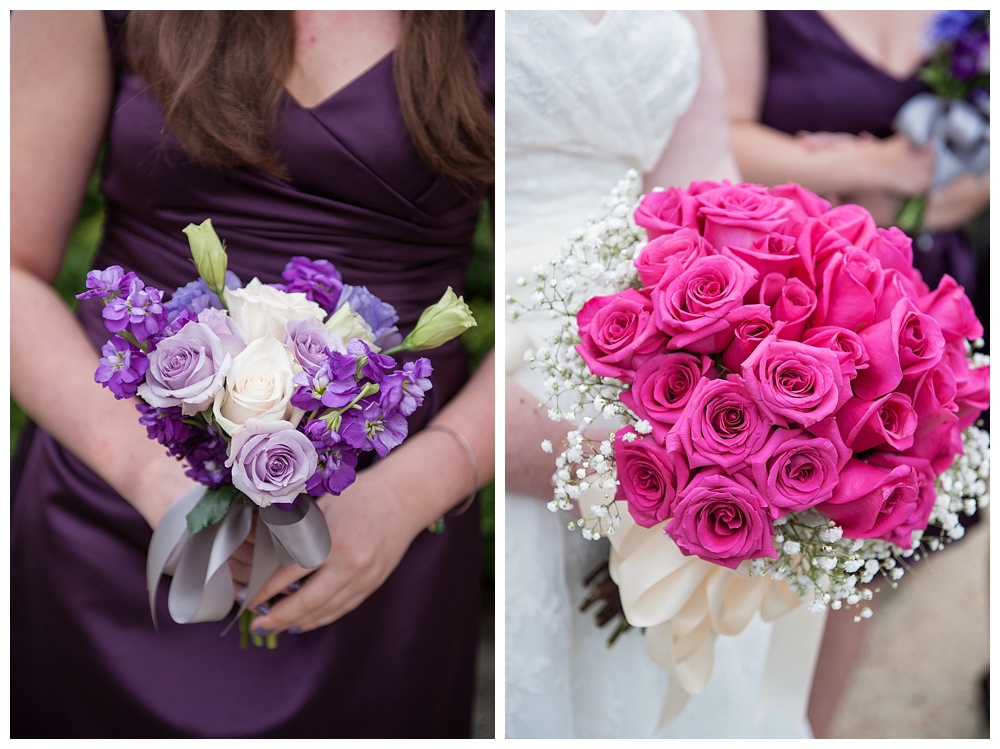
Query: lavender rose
pixel 187 369
pixel 649 477
pixel 308 339
pixel 271 461
pixel 722 519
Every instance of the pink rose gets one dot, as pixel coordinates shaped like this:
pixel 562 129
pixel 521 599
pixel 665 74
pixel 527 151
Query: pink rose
pixel 794 383
pixel 851 282
pixel 972 395
pixel 648 477
pixel 663 386
pixel 677 250
pixel 887 497
pixel 949 305
pixel 721 425
pixel 791 302
pixel 867 424
pixel 693 306
pixel 894 250
pixel 722 519
pixel 616 330
pixel 736 215
pixel 939 446
pixel 816 242
pixel 796 470
pixel 846 344
pixel 933 397
pixel 852 222
pixel 907 344
pixel 896 286
pixel 771 253
pixel 751 325
pixel 809 203
pixel 666 211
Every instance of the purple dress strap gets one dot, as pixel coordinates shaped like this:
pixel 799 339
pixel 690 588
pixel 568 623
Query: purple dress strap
pixel 85 660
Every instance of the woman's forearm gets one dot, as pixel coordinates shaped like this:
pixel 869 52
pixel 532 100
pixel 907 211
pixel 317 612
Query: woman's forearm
pixel 52 378
pixel 431 473
pixel 957 203
pixel 843 165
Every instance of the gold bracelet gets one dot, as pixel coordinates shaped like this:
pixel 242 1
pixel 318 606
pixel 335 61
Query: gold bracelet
pixel 438 525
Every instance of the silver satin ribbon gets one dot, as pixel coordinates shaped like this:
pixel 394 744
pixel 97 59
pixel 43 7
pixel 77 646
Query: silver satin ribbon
pixel 959 133
pixel 202 587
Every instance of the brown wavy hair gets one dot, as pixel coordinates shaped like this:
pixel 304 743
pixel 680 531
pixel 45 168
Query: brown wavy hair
pixel 220 78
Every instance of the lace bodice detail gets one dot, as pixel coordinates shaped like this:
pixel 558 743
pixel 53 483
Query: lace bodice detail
pixel 586 102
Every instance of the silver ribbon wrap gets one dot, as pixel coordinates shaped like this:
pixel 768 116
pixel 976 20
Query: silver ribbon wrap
pixel 202 588
pixel 959 134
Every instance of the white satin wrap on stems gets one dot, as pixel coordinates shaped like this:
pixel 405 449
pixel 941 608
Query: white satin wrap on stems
pixel 684 602
pixel 202 588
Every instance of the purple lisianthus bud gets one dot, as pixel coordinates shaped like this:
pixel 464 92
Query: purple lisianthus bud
pixel 380 316
pixel 271 461
pixel 308 339
pixel 187 370
pixel 105 283
pixel 371 428
pixel 317 279
pixel 195 297
pixel 122 367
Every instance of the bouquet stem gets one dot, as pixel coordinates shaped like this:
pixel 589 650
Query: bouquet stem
pixel 911 216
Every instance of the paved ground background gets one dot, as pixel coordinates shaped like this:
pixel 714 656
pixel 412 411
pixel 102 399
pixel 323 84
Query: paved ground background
pixel 928 647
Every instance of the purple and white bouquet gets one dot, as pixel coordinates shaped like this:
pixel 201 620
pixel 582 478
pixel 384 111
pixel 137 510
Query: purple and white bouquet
pixel 955 117
pixel 270 393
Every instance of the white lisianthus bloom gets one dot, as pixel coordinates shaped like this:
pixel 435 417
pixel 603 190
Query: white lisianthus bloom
pixel 262 310
pixel 259 386
pixel 348 324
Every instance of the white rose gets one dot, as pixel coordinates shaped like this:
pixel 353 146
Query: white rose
pixel 348 324
pixel 259 385
pixel 262 310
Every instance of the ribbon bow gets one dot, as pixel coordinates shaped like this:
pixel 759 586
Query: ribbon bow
pixel 202 588
pixel 959 133
pixel 685 602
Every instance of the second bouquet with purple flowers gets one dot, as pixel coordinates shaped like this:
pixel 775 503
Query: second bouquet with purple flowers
pixel 270 394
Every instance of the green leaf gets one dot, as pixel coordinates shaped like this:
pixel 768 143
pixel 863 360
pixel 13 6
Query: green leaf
pixel 211 508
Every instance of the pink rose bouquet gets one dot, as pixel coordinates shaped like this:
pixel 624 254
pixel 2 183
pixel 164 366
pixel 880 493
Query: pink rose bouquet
pixel 785 394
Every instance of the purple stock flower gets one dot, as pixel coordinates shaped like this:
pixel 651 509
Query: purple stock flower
pixel 166 426
pixel 207 460
pixel 141 311
pixel 324 388
pixel 380 316
pixel 404 390
pixel 950 24
pixel 195 297
pixel 318 279
pixel 966 53
pixel 106 283
pixel 373 366
pixel 122 367
pixel 371 427
pixel 336 461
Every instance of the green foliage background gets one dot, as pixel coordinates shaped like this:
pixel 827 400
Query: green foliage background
pixel 478 340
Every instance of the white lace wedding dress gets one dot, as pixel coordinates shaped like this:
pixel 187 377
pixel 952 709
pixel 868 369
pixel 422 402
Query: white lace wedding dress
pixel 584 103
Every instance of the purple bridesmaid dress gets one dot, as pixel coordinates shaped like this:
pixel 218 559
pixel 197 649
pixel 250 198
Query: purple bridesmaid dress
pixel 85 660
pixel 817 82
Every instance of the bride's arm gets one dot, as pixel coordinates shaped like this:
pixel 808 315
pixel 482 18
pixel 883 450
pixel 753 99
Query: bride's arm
pixel 699 148
pixel 61 88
